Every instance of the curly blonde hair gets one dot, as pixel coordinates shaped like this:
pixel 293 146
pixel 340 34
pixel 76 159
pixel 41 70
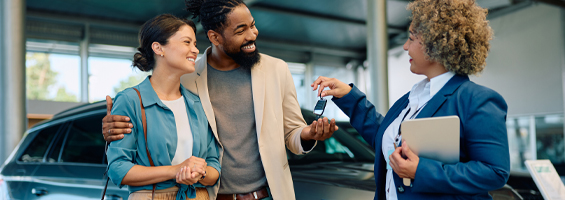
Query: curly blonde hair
pixel 454 33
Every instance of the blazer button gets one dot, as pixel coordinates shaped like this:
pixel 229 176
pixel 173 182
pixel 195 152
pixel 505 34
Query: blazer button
pixel 400 189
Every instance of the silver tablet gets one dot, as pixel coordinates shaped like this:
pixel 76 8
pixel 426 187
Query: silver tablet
pixel 434 138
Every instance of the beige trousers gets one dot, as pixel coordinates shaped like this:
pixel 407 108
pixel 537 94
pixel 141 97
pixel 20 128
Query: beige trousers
pixel 167 194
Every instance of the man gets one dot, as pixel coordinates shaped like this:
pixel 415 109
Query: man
pixel 250 102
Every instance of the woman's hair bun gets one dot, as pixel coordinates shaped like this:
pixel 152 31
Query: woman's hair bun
pixel 141 61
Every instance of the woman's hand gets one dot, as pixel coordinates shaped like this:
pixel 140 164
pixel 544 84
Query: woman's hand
pixel 196 165
pixel 338 89
pixel 405 168
pixel 187 176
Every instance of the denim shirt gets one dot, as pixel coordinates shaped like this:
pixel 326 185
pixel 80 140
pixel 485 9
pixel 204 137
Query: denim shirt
pixel 161 137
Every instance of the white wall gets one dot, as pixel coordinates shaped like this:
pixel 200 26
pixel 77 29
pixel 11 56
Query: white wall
pixel 525 62
pixel 524 65
pixel 49 107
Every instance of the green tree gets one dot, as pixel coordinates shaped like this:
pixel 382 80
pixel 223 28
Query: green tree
pixel 130 81
pixel 41 79
pixel 63 95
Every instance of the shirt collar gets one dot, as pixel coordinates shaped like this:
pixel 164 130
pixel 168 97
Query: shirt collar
pixel 436 83
pixel 424 90
pixel 149 96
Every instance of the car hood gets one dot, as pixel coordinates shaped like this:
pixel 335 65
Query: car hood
pixel 350 175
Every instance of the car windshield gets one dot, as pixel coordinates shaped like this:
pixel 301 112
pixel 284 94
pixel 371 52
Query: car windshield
pixel 343 146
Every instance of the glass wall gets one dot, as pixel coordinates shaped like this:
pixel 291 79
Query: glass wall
pixel 52 76
pixel 108 76
pixel 53 71
pixel 536 137
pixel 297 70
pixel 549 138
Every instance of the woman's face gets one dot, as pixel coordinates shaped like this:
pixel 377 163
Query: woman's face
pixel 180 52
pixel 418 62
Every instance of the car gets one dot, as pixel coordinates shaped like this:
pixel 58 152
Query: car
pixel 64 158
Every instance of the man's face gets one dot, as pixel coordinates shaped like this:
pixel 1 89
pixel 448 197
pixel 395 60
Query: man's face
pixel 239 37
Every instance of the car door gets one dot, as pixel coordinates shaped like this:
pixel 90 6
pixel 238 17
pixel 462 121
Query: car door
pixel 76 164
pixel 18 172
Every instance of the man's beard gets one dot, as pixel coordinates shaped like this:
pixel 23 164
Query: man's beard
pixel 245 60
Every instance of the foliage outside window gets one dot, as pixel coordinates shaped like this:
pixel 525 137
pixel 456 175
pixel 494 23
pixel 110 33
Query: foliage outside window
pixel 45 81
pixel 108 76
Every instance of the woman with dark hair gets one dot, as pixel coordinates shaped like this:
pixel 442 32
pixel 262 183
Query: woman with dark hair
pixel 448 41
pixel 171 152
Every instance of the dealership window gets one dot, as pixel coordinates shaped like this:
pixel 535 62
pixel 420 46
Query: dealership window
pixel 297 70
pixel 536 137
pixel 52 71
pixel 108 76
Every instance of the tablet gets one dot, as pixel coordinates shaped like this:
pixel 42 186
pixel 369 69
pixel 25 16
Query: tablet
pixel 546 178
pixel 434 138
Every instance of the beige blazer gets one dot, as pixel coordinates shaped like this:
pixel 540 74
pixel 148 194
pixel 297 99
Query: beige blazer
pixel 277 114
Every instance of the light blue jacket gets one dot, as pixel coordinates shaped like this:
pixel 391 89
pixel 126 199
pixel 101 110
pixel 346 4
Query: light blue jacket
pixel 161 136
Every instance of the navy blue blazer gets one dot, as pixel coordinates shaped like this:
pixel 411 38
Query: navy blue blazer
pixel 484 162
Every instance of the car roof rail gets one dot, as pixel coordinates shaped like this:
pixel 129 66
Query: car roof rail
pixel 80 109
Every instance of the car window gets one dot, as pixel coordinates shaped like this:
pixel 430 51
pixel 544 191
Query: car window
pixel 84 143
pixel 346 126
pixel 333 146
pixel 37 148
pixel 55 152
pixel 341 147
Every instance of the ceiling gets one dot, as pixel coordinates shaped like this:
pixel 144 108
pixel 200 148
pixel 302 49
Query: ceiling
pixel 295 30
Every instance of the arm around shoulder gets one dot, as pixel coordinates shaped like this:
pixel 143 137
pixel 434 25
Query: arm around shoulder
pixel 121 153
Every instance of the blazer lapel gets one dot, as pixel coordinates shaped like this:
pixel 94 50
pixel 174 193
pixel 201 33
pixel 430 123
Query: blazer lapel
pixel 200 79
pixel 395 110
pixel 258 90
pixel 438 99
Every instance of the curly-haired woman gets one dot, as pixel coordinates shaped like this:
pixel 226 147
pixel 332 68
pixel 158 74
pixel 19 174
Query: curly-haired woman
pixel 449 40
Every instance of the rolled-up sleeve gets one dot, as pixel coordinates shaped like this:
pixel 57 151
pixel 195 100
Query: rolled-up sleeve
pixel 121 153
pixel 213 157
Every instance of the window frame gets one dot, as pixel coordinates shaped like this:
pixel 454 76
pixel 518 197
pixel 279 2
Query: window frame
pixel 67 132
pixel 63 125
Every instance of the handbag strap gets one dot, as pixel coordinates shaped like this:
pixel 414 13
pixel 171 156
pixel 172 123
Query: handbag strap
pixel 144 122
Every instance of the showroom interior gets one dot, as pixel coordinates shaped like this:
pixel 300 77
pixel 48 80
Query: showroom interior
pixel 58 54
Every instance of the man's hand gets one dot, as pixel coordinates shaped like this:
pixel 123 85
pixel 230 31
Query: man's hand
pixel 405 168
pixel 338 89
pixel 319 130
pixel 114 126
